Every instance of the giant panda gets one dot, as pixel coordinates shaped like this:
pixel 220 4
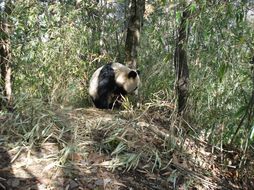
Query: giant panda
pixel 111 81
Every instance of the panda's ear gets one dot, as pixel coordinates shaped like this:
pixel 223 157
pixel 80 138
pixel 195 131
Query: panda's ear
pixel 138 71
pixel 132 74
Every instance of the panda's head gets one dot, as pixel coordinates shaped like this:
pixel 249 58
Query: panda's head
pixel 127 78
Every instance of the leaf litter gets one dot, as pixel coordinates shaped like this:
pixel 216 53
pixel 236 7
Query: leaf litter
pixel 141 149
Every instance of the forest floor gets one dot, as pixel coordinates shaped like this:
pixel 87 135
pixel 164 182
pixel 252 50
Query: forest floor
pixel 123 150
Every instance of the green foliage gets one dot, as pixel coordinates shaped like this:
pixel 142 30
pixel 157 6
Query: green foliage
pixel 219 51
pixel 47 52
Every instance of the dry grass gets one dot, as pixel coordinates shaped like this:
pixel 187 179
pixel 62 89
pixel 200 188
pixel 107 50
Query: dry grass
pixel 150 141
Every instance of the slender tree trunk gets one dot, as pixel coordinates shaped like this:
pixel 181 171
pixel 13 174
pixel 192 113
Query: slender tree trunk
pixel 133 32
pixel 181 66
pixel 5 56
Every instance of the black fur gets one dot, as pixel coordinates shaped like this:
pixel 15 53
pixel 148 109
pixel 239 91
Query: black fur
pixel 132 74
pixel 106 87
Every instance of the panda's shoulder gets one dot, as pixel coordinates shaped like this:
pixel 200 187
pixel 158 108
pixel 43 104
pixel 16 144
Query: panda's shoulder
pixel 106 72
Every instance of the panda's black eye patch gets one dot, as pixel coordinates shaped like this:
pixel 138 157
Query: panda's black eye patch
pixel 132 74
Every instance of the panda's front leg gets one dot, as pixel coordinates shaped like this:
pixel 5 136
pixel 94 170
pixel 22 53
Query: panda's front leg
pixel 112 100
pixel 101 103
pixel 116 98
pixel 117 101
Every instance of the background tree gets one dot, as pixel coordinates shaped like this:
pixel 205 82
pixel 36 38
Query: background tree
pixel 5 56
pixel 180 59
pixel 135 21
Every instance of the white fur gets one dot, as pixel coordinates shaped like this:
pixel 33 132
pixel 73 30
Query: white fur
pixel 94 83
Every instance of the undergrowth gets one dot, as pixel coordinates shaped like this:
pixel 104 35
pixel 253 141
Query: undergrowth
pixel 123 136
pixel 150 138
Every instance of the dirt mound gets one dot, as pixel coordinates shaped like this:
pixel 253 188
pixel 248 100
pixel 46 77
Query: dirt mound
pixel 95 149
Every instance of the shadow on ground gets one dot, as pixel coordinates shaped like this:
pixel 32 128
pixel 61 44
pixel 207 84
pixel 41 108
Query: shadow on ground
pixel 8 181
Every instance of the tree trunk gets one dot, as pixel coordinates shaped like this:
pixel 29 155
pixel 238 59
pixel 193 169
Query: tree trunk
pixel 181 66
pixel 133 32
pixel 5 56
